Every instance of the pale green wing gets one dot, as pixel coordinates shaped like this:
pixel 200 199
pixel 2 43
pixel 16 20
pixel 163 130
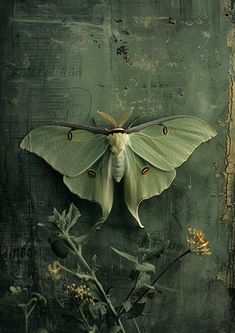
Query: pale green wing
pixel 68 151
pixel 167 145
pixel 95 184
pixel 142 181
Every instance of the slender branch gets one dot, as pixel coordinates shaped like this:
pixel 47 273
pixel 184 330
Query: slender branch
pixel 26 320
pixel 121 310
pixel 27 313
pixel 92 276
pixel 56 298
pixel 83 317
pixel 134 287
pixel 136 325
pixel 87 276
pixel 159 276
pixel 78 253
pixel 31 310
pixel 108 301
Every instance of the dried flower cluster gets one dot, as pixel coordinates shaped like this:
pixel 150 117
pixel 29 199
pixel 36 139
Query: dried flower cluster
pixel 198 243
pixel 81 293
pixel 54 271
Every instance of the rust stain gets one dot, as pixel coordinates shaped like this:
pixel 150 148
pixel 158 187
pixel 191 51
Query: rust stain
pixel 229 167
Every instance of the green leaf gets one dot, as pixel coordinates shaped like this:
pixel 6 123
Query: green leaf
pixel 41 330
pixel 125 255
pixel 72 217
pixel 60 248
pixel 40 299
pixel 143 279
pixel 98 310
pixel 146 242
pixel 82 275
pixel 142 267
pixel 55 216
pixel 94 265
pixel 11 300
pixel 85 238
pixel 95 292
pixel 145 267
pixel 63 221
pixel 114 329
pixel 16 290
pixel 94 329
pixel 157 250
pixel 127 305
pixel 136 310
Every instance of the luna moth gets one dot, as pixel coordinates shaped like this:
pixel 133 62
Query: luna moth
pixel 144 156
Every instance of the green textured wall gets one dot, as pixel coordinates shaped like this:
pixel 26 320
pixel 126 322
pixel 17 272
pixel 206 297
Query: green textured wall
pixel 63 60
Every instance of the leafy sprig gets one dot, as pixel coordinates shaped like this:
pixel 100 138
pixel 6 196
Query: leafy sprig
pixel 85 301
pixel 26 301
pixel 100 315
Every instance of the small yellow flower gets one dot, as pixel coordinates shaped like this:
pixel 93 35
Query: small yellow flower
pixel 198 243
pixel 81 293
pixel 54 271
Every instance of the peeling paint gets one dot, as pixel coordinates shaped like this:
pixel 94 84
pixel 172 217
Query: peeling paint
pixel 144 20
pixel 143 63
pixel 188 23
pixel 229 167
pixel 57 41
pixel 206 35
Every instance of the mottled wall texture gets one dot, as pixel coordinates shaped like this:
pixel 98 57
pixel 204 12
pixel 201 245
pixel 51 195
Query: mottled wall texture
pixel 63 60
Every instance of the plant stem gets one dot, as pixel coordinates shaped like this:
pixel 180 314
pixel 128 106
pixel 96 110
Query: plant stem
pixel 84 318
pixel 26 320
pixel 93 276
pixel 121 310
pixel 56 298
pixel 109 303
pixel 27 313
pixel 136 325
pixel 78 253
pixel 160 275
pixel 31 310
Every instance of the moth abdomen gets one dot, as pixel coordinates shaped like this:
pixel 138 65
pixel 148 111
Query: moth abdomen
pixel 118 166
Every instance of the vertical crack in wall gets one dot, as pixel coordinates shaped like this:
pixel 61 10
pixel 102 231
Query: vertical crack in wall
pixel 229 166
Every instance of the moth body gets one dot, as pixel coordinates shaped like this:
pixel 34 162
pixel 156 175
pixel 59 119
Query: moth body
pixel 146 155
pixel 117 141
pixel 118 166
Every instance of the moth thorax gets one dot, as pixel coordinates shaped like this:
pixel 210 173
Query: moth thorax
pixel 117 142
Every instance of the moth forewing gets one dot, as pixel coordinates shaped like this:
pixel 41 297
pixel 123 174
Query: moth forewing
pixel 146 155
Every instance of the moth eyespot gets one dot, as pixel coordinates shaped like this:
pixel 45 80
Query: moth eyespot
pixel 145 171
pixel 165 130
pixel 91 173
pixel 70 135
